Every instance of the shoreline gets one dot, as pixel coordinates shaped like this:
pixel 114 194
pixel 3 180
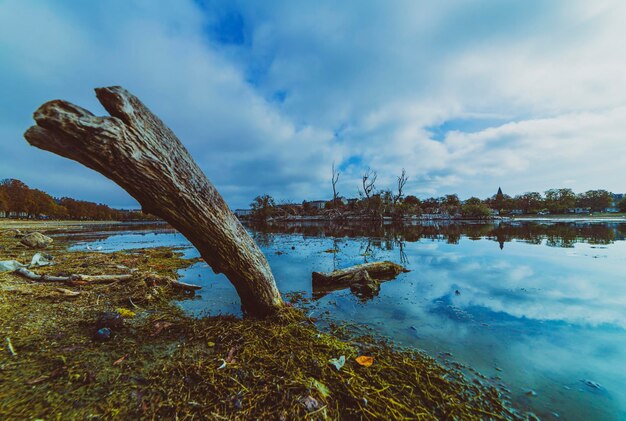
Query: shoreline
pixel 179 357
pixel 531 218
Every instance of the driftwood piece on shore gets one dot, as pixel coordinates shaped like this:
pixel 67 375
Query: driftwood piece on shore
pixel 98 279
pixel 375 270
pixel 29 274
pixel 139 152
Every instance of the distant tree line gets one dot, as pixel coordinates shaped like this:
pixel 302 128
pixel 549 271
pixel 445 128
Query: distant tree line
pixel 19 200
pixel 555 201
pixel 375 203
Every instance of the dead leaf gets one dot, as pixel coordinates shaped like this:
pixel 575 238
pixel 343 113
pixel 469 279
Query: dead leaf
pixel 365 361
pixel 119 360
pixel 160 326
pixel 231 355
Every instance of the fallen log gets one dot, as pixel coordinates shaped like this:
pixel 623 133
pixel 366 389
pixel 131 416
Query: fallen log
pixel 29 274
pixel 99 279
pixel 375 270
pixel 135 149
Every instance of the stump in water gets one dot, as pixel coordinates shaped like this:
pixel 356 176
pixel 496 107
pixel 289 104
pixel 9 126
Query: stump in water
pixel 139 152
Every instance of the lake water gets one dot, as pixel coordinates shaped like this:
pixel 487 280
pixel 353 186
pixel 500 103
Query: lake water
pixel 538 307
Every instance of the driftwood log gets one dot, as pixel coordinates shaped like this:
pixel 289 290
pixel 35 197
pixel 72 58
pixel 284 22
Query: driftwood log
pixel 376 270
pixel 29 274
pixel 363 280
pixel 139 152
pixel 102 279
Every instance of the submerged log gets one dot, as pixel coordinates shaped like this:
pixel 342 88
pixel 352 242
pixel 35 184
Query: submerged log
pixel 139 152
pixel 375 270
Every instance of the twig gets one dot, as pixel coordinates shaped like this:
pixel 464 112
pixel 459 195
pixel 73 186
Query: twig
pixel 11 349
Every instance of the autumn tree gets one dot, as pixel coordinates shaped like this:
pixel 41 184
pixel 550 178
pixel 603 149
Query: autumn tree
pixel 597 200
pixel 531 202
pixel 475 208
pixel 622 205
pixel 17 193
pixel 4 200
pixel 560 200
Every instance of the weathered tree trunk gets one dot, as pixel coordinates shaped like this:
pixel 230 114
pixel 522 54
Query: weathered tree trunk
pixel 141 154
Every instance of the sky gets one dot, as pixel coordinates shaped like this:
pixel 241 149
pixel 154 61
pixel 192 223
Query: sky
pixel 467 96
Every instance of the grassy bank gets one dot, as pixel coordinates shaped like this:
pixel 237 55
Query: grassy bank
pixel 163 364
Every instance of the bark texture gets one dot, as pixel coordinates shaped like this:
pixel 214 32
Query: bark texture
pixel 136 150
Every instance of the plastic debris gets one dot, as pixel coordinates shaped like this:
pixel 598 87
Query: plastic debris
pixel 103 334
pixel 310 403
pixel 10 265
pixel 338 362
pixel 38 259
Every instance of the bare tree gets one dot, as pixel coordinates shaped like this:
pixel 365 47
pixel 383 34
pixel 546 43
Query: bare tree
pixel 402 179
pixel 333 180
pixel 369 182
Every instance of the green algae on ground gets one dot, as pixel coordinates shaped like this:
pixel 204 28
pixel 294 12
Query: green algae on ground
pixel 165 364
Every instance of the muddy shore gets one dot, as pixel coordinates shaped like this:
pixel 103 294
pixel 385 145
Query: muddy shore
pixel 160 363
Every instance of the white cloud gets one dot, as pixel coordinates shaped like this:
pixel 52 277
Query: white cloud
pixel 313 83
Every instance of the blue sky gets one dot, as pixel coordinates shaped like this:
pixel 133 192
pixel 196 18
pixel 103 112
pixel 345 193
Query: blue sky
pixel 466 95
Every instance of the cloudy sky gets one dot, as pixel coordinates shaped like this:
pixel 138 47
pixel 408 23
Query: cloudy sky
pixel 466 95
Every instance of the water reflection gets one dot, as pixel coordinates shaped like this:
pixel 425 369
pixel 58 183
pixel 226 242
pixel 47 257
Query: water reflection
pixel 541 306
pixel 556 234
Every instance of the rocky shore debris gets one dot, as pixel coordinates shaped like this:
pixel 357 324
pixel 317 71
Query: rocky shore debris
pixel 36 240
pixel 38 259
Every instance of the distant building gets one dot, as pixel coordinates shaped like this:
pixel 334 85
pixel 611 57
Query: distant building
pixel 242 213
pixel 317 204
pixel 517 212
pixel 579 210
pixel 3 214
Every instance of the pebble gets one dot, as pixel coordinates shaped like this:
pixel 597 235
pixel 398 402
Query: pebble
pixel 592 384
